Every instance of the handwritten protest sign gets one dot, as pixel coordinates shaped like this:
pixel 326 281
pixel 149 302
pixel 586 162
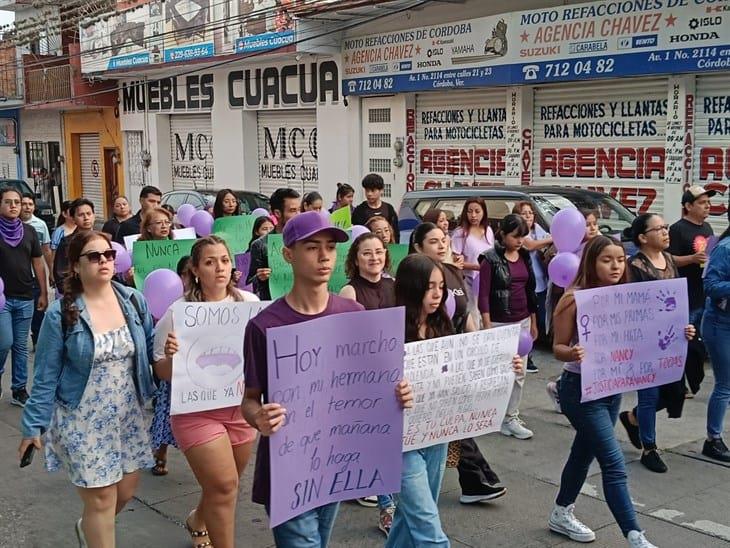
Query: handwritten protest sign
pixel 243 262
pixel 342 217
pixel 150 255
pixel 236 231
pixel 461 385
pixel 207 370
pixel 397 253
pixel 633 336
pixel 336 377
pixel 282 278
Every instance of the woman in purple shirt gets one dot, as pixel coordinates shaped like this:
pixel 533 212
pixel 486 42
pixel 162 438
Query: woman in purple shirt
pixel 507 295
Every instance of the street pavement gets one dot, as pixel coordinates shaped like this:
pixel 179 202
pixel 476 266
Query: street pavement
pixel 687 507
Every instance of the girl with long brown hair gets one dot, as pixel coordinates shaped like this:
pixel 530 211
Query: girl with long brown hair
pixel 603 264
pixel 217 444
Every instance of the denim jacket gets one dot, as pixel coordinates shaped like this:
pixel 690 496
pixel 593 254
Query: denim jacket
pixel 717 280
pixel 63 364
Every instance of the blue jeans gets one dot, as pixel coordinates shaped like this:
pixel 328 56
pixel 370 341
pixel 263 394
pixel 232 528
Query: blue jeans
pixel 385 501
pixel 594 438
pixel 716 333
pixel 416 521
pixel 311 529
pixel 646 411
pixel 15 321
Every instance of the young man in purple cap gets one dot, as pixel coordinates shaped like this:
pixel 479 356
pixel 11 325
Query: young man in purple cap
pixel 309 246
pixel 688 240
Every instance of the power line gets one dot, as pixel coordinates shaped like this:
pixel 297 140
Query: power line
pixel 416 4
pixel 220 24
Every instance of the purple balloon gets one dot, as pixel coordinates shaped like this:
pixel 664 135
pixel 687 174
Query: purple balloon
pixel 185 214
pixel 563 269
pixel 2 301
pixel 259 212
pixel 450 304
pixel 525 343
pixel 568 229
pixel 202 222
pixel 357 230
pixel 2 286
pixel 123 262
pixel 162 288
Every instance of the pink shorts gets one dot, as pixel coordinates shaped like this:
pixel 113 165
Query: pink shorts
pixel 193 429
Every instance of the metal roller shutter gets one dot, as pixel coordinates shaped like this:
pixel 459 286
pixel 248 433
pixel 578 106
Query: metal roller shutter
pixel 712 142
pixel 8 162
pixel 606 136
pixel 460 138
pixel 191 151
pixel 287 143
pixel 133 155
pixel 91 164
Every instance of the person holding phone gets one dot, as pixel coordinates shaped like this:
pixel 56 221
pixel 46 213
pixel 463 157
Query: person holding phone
pixel 94 354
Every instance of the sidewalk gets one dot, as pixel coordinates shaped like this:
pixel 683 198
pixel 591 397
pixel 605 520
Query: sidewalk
pixel 687 507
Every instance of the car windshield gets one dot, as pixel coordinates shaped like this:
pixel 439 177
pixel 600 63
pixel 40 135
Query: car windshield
pixel 612 216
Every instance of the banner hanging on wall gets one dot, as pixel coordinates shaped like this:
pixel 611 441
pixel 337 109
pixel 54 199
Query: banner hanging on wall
pixel 574 42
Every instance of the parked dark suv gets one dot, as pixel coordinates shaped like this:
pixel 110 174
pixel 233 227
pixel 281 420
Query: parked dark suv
pixel 204 199
pixel 546 202
pixel 43 209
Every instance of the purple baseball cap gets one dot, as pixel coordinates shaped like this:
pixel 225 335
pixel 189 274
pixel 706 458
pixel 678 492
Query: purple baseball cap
pixel 306 225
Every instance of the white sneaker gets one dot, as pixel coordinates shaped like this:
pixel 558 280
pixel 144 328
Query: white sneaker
pixel 564 522
pixel 638 540
pixel 552 392
pixel 515 427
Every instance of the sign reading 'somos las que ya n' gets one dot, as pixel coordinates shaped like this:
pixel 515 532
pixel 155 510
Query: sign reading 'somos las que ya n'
pixel 608 39
pixel 276 86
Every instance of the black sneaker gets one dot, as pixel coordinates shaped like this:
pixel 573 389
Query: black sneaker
pixel 531 367
pixel 716 449
pixel 19 397
pixel 493 479
pixel 482 493
pixel 653 462
pixel 631 430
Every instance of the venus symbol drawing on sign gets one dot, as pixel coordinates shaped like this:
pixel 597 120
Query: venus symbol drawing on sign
pixel 213 364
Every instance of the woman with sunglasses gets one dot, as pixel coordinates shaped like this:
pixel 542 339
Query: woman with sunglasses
pixel 652 262
pixel 94 355
pixel 217 443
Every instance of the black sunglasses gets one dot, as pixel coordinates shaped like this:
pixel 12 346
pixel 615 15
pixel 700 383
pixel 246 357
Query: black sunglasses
pixel 95 256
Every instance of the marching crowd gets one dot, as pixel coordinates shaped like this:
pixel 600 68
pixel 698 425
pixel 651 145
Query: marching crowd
pixel 100 357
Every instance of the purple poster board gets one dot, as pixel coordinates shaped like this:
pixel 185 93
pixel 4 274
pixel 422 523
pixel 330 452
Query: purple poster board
pixel 243 262
pixel 336 377
pixel 633 335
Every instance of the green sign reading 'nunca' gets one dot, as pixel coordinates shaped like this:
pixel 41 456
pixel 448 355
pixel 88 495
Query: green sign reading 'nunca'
pixel 151 255
pixel 281 279
pixel 236 231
